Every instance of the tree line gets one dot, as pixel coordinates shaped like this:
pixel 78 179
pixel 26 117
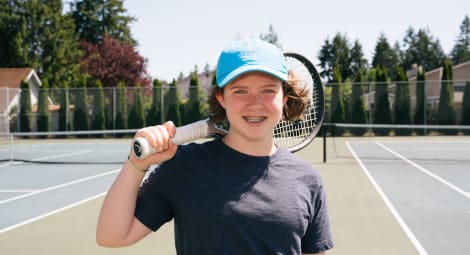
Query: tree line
pixel 90 46
pixel 93 107
pixel 344 67
pixel 87 48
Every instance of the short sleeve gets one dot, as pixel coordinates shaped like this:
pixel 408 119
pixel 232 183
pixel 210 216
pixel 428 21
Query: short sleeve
pixel 318 235
pixel 153 208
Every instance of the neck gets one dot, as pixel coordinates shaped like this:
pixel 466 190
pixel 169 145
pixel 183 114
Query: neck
pixel 251 147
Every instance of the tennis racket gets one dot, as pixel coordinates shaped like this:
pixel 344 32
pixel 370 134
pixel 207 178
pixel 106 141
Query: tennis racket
pixel 291 135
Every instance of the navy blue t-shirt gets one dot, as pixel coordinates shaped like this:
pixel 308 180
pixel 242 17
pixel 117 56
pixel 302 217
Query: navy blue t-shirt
pixel 226 202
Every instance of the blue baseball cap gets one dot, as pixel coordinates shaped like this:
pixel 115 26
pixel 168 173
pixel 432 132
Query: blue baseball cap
pixel 250 55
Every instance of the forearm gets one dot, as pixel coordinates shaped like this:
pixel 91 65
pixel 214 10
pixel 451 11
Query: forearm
pixel 117 211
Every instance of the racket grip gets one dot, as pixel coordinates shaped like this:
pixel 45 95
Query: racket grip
pixel 141 148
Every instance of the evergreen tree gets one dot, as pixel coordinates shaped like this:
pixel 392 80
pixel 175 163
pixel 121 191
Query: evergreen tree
pixel 12 34
pixel 121 107
pixel 183 113
pixel 41 37
pixel 96 19
pixel 335 54
pixel 346 91
pixel 60 46
pixel 421 102
pixel 154 116
pixel 337 103
pixel 214 80
pixel 325 55
pixel 358 114
pixel 80 114
pixel 43 120
pixel 196 110
pixel 98 115
pixel 385 56
pixel 466 107
pixel 174 103
pixel 446 108
pixel 382 114
pixel 62 96
pixel 402 106
pixel 136 117
pixel 358 61
pixel 25 107
pixel 461 51
pixel 421 48
pixel 271 37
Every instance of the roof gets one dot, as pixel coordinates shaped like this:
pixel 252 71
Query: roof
pixel 12 77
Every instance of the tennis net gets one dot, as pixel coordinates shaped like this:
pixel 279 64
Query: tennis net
pixel 70 147
pixel 449 143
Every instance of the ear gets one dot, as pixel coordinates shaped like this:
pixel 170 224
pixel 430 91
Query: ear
pixel 220 99
pixel 284 100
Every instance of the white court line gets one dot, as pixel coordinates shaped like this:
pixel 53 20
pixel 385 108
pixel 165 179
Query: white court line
pixel 422 169
pixel 18 190
pixel 48 157
pixel 58 186
pixel 390 206
pixel 49 213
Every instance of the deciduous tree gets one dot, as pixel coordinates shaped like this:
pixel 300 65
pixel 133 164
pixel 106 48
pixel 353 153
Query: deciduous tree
pixel 112 61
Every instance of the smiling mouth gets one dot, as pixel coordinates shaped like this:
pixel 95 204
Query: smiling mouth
pixel 254 120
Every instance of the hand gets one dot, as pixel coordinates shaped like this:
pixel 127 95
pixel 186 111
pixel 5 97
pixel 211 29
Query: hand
pixel 159 137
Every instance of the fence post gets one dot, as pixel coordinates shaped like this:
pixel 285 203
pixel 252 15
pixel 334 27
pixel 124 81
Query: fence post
pixel 18 112
pixel 114 108
pixel 6 119
pixel 324 143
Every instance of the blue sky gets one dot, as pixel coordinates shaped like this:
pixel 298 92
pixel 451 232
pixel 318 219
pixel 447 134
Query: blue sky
pixel 176 35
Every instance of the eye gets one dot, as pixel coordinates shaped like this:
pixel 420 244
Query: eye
pixel 269 91
pixel 240 91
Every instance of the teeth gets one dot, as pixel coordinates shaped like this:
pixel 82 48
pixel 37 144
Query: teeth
pixel 255 120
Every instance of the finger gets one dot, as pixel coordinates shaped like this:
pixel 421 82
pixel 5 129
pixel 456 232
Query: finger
pixel 164 137
pixel 170 126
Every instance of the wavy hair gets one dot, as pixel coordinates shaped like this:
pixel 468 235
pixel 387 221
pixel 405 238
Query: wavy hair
pixel 297 101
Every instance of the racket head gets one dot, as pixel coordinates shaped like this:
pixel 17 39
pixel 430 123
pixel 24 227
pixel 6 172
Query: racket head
pixel 295 135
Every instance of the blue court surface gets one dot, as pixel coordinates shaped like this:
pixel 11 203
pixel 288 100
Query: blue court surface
pixel 426 186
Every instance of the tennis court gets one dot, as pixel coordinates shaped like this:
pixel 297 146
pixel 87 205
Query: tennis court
pixel 386 195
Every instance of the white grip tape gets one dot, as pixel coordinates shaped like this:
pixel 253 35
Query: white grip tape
pixel 191 132
pixel 142 149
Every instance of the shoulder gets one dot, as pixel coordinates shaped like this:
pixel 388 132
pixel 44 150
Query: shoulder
pixel 187 158
pixel 298 168
pixel 293 161
pixel 194 150
pixel 189 154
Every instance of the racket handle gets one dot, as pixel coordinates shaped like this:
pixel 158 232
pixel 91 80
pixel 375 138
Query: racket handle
pixel 200 129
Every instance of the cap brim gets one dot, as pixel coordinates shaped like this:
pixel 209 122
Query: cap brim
pixel 252 68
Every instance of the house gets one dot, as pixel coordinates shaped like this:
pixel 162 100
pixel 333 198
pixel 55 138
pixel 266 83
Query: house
pixel 461 74
pixel 10 80
pixel 204 79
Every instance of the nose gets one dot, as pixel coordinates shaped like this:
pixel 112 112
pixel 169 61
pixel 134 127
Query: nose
pixel 256 101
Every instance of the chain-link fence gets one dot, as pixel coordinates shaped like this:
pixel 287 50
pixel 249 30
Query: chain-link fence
pixel 75 109
pixel 411 102
pixel 417 101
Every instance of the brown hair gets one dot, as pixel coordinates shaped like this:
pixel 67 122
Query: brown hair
pixel 297 101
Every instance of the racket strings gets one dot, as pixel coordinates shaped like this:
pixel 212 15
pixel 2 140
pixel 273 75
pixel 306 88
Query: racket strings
pixel 290 134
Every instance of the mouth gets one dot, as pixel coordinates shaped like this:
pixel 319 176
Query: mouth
pixel 254 120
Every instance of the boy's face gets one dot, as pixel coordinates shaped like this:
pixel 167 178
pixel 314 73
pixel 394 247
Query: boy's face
pixel 253 103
